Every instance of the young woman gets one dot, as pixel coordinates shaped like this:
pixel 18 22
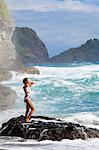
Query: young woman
pixel 27 99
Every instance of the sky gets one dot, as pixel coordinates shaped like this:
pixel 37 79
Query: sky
pixel 60 24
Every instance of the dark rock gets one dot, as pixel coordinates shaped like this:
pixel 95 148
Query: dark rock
pixel 45 128
pixel 87 52
pixel 29 46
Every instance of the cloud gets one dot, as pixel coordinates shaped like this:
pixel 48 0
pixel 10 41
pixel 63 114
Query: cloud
pixel 87 6
pixel 95 2
pixel 60 30
pixel 61 24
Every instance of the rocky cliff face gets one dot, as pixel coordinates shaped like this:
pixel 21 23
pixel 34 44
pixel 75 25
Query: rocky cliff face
pixel 8 56
pixel 88 52
pixel 28 45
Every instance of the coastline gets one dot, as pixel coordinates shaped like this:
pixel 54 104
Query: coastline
pixel 7 95
pixel 8 142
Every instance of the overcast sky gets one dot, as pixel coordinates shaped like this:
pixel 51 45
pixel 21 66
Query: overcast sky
pixel 61 24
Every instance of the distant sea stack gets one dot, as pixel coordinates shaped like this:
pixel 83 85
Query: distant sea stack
pixel 88 52
pixel 8 56
pixel 29 46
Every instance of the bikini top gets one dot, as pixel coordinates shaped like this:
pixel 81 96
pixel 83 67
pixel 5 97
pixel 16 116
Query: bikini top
pixel 27 91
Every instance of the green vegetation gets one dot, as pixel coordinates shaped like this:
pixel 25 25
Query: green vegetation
pixel 4 12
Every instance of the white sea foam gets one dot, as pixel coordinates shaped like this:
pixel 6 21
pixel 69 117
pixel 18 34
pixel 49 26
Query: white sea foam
pixel 16 77
pixel 87 119
pixel 90 144
pixel 68 93
pixel 75 72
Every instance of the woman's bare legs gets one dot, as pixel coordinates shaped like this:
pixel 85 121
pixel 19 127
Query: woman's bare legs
pixel 27 110
pixel 30 105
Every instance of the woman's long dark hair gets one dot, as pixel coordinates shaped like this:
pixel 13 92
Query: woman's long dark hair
pixel 25 80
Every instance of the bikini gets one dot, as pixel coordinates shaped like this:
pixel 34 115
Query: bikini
pixel 27 93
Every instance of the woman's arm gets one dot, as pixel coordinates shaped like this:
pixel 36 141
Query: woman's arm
pixel 31 83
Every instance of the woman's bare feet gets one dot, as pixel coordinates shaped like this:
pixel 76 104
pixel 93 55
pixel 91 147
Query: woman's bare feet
pixel 27 120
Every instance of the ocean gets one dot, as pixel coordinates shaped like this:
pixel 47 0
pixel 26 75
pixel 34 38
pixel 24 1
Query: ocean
pixel 67 91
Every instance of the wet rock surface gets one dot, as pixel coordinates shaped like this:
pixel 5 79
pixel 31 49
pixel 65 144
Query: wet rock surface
pixel 45 128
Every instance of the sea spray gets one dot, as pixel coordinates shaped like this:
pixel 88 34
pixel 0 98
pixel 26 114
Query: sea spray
pixel 70 92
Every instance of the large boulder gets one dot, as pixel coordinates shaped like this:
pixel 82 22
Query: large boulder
pixel 7 95
pixel 45 128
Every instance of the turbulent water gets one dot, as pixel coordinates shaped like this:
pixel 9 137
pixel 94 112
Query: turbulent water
pixel 69 92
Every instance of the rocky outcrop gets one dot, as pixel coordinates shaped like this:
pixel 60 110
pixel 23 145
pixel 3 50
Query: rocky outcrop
pixel 30 70
pixel 9 59
pixel 8 55
pixel 88 52
pixel 5 75
pixel 7 95
pixel 28 45
pixel 45 128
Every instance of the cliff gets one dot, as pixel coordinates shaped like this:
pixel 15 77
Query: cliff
pixel 28 45
pixel 9 59
pixel 8 56
pixel 88 52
